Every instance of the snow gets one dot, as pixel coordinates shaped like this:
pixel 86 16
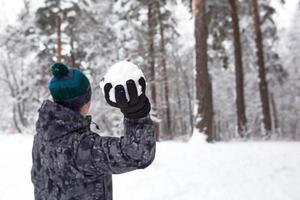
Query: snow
pixel 118 74
pixel 15 164
pixel 10 9
pixel 284 13
pixel 181 171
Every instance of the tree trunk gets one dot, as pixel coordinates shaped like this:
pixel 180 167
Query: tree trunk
pixel 72 50
pixel 189 97
pixel 21 114
pixel 274 109
pixel 204 121
pixel 182 127
pixel 239 76
pixel 263 84
pixel 16 123
pixel 15 92
pixel 187 88
pixel 151 59
pixel 58 42
pixel 163 64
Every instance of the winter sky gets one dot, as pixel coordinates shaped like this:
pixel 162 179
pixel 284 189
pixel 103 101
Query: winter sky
pixel 9 10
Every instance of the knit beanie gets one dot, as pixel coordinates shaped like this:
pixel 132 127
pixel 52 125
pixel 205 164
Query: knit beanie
pixel 69 87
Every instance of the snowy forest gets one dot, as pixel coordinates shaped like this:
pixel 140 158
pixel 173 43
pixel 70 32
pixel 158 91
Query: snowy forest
pixel 220 67
pixel 222 78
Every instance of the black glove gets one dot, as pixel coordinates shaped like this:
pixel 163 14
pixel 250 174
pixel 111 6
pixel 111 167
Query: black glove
pixel 137 106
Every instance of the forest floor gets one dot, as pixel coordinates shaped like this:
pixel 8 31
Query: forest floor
pixel 181 171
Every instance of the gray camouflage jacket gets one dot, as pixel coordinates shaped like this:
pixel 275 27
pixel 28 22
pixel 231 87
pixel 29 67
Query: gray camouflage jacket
pixel 70 162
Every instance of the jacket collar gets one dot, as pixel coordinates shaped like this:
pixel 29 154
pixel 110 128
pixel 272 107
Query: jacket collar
pixel 56 121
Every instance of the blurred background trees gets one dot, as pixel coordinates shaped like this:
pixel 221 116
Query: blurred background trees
pixel 212 66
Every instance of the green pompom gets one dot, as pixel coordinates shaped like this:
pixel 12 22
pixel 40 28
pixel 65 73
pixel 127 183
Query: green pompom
pixel 59 70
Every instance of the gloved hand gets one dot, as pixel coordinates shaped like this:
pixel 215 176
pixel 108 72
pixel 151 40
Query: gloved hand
pixel 137 106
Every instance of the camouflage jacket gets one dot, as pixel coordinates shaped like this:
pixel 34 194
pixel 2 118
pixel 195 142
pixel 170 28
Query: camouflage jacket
pixel 72 162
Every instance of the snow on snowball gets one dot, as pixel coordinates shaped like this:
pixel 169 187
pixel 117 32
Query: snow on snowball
pixel 118 74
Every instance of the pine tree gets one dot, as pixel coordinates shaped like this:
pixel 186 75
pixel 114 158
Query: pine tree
pixel 239 76
pixel 263 84
pixel 46 20
pixel 204 121
pixel 163 65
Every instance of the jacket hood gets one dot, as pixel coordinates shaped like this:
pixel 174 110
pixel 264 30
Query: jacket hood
pixel 56 121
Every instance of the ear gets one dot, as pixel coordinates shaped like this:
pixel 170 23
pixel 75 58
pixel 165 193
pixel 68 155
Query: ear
pixel 84 110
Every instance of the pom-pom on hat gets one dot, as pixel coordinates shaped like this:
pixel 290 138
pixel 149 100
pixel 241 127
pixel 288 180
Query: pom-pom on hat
pixel 69 87
pixel 59 70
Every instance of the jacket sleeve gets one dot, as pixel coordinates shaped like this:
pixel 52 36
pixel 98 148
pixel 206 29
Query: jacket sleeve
pixel 112 155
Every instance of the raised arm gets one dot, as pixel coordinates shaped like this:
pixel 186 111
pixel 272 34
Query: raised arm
pixel 134 150
pixel 112 155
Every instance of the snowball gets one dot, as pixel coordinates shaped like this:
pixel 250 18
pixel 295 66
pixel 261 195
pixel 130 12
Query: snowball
pixel 118 74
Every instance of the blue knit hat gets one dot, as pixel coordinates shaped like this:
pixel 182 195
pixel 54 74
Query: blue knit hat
pixel 69 87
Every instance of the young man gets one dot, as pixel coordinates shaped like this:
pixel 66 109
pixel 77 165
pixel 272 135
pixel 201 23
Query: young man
pixel 70 162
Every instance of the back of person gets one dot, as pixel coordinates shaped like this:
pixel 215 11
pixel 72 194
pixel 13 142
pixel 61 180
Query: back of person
pixel 72 162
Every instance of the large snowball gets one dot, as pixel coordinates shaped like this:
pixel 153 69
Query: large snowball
pixel 118 74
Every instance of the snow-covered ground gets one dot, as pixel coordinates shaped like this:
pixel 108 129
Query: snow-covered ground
pixel 181 171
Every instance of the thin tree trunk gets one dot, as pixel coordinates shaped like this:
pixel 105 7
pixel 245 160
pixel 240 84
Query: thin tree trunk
pixel 151 56
pixel 15 89
pixel 190 98
pixel 15 119
pixel 58 41
pixel 18 95
pixel 163 56
pixel 21 114
pixel 204 121
pixel 179 103
pixel 72 51
pixel 151 59
pixel 188 93
pixel 239 76
pixel 274 109
pixel 263 84
pixel 181 112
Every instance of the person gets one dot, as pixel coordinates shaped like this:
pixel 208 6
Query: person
pixel 70 162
